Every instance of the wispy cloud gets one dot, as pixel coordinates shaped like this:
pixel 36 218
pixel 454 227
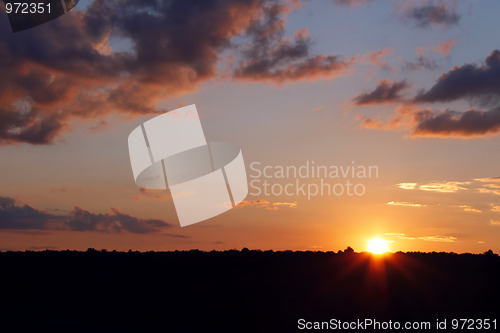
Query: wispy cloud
pixel 488 180
pixel 266 204
pixel 404 203
pixel 488 191
pixel 152 194
pixel 351 3
pixel 434 14
pixel 407 186
pixel 444 47
pixel 436 238
pixel 443 239
pixel 444 187
pixel 385 92
pixel 377 58
pixel 471 209
pixel 495 223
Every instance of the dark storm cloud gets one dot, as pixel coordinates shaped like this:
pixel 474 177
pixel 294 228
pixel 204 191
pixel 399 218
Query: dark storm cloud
pixel 434 14
pixel 467 81
pixel 65 69
pixel 385 92
pixel 460 124
pixel 16 216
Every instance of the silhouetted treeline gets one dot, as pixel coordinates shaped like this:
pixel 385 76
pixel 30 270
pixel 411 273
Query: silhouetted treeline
pixel 237 291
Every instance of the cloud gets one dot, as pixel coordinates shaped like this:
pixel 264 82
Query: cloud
pixel 445 47
pixel 422 62
pixel 444 187
pixel 65 70
pixel 467 81
pixel 488 180
pixel 398 235
pixel 425 55
pixel 449 123
pixel 405 117
pixel 495 223
pixel 288 204
pixel 495 208
pixel 385 92
pixel 488 191
pixel 152 194
pixel 176 235
pixel 437 238
pixel 443 239
pixel 16 216
pixel 434 14
pixel 470 209
pixel 443 124
pixel 407 186
pixel 476 84
pixel 266 204
pixel 376 58
pixel 404 203
pixel 269 56
pixel 350 3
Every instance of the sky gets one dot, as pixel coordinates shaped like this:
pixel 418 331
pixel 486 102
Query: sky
pixel 408 88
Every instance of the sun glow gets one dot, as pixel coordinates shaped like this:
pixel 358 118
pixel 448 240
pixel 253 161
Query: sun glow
pixel 378 246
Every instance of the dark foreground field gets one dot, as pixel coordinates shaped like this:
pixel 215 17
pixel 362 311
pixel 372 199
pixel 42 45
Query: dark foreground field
pixel 237 291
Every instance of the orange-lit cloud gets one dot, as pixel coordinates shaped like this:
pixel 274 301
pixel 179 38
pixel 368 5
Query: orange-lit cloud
pixel 405 117
pixel 67 70
pixel 445 47
pixel 376 58
pixel 436 238
pixel 385 92
pixel 471 209
pixel 425 57
pixel 476 84
pixel 443 239
pixel 495 223
pixel 488 191
pixel 266 204
pixel 444 187
pixel 152 194
pixel 488 180
pixel 407 186
pixel 404 203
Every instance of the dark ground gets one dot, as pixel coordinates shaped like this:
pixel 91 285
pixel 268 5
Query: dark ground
pixel 247 291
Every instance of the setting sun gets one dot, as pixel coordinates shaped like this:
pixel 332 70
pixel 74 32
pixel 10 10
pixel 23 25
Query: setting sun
pixel 378 246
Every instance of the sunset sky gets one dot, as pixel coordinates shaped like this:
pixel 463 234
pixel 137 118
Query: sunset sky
pixel 411 87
